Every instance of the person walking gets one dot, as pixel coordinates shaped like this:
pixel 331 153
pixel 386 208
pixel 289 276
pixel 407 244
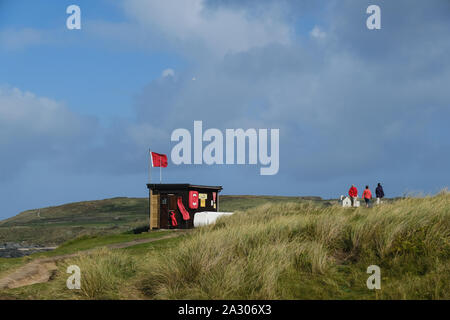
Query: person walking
pixel 353 194
pixel 379 192
pixel 367 195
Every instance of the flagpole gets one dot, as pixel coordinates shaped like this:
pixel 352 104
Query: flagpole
pixel 160 171
pixel 149 166
pixel 150 160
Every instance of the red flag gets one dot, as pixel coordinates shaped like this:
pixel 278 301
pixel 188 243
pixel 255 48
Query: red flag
pixel 159 160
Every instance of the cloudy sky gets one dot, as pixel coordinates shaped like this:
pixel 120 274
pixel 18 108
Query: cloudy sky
pixel 80 108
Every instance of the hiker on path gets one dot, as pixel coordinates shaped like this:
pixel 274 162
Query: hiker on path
pixel 379 193
pixel 353 194
pixel 367 195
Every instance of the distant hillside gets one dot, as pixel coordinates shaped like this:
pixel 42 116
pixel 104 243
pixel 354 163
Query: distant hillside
pixel 54 225
pixel 108 211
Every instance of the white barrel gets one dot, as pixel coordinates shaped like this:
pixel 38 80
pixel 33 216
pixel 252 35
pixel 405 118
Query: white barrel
pixel 208 217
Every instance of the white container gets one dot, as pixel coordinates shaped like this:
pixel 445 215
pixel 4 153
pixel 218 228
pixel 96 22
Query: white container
pixel 208 217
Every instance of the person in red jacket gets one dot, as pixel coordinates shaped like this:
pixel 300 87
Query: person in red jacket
pixel 353 194
pixel 367 195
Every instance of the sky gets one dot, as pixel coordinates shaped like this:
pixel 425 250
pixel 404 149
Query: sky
pixel 79 109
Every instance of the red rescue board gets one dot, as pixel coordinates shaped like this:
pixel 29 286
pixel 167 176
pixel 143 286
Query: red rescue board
pixel 182 209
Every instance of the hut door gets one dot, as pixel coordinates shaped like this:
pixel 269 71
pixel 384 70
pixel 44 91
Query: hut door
pixel 173 203
pixel 164 212
pixel 168 204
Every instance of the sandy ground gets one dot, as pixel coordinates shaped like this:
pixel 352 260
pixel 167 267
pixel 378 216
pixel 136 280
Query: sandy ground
pixel 42 270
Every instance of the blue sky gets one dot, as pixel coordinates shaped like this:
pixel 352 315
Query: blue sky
pixel 80 108
pixel 72 67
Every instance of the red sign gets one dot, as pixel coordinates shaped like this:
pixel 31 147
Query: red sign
pixel 193 199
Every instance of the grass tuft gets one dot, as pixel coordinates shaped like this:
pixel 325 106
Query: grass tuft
pixel 103 272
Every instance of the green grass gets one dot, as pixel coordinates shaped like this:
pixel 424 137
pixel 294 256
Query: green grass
pixel 7 264
pixel 230 203
pixel 104 276
pixel 58 224
pixel 104 269
pixel 295 249
pixel 157 246
pixel 81 244
pixel 303 251
pixel 113 210
pixel 89 242
pixel 104 272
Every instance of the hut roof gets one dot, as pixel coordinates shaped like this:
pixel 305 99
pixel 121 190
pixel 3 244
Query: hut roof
pixel 180 186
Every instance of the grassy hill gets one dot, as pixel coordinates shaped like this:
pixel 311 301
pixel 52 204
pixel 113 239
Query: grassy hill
pixel 284 250
pixel 54 225
pixel 108 211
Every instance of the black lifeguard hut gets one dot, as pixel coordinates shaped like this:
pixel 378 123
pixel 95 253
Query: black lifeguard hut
pixel 173 206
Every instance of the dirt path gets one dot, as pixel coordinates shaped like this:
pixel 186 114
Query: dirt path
pixel 42 270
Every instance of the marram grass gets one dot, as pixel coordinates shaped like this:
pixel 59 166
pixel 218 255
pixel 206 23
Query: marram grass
pixel 300 251
pixel 104 273
pixel 280 251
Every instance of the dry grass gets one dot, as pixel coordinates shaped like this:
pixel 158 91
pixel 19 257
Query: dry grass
pixel 284 251
pixel 303 251
pixel 104 273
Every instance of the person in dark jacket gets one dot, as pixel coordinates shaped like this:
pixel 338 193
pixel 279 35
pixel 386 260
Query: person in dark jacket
pixel 379 193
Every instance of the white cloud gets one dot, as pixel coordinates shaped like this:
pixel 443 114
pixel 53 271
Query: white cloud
pixel 141 135
pixel 168 73
pixel 34 115
pixel 32 127
pixel 220 30
pixel 317 33
pixel 14 39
